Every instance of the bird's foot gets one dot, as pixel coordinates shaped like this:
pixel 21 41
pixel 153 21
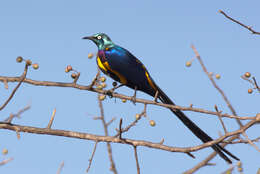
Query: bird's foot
pixel 133 98
pixel 156 96
pixel 111 91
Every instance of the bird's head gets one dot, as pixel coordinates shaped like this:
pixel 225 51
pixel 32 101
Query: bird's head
pixel 101 40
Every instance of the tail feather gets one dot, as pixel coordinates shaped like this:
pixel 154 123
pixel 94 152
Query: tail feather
pixel 195 129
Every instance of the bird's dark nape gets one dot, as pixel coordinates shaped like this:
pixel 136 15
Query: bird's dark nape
pixel 195 129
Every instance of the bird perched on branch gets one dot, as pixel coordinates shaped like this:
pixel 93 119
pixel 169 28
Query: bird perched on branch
pixel 122 66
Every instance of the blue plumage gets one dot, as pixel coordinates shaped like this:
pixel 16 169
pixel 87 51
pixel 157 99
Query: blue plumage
pixel 125 68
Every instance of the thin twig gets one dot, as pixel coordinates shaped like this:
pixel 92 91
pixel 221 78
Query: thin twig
pixel 242 141
pixel 120 128
pixel 92 156
pixel 255 83
pixel 239 23
pixel 215 85
pixel 52 118
pixel 207 159
pixel 111 121
pixel 220 119
pixel 109 149
pixel 250 142
pixel 61 167
pixel 136 160
pixel 23 76
pixel 6 161
pixel 95 79
pixel 17 115
pixel 131 124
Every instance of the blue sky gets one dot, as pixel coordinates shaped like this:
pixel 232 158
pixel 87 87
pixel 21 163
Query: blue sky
pixel 159 33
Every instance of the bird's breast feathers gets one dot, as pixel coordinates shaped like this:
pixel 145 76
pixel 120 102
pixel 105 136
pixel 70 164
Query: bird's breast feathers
pixel 105 67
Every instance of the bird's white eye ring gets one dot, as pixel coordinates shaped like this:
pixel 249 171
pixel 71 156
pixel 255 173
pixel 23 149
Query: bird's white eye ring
pixel 99 37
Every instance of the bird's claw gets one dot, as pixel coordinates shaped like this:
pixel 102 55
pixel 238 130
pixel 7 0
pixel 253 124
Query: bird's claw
pixel 133 99
pixel 110 93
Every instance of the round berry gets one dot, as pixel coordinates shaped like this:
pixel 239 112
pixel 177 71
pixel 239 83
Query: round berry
pixel 90 55
pixel 35 66
pixel 247 74
pixel 19 59
pixel 217 76
pixel 152 123
pixel 102 97
pixel 100 87
pixel 188 63
pixel 4 151
pixel 73 75
pixel 102 79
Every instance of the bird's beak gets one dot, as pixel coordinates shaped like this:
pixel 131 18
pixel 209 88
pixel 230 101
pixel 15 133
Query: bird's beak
pixel 88 37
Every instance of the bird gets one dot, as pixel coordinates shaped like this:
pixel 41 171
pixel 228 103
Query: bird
pixel 123 67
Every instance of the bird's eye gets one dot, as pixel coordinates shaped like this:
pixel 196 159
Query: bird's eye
pixel 99 37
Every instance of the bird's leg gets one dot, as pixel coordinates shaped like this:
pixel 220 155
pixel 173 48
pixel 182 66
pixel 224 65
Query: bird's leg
pixel 156 96
pixel 111 91
pixel 133 98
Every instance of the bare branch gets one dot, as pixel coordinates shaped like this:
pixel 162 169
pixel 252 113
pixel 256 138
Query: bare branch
pixel 121 96
pixel 61 167
pixel 21 79
pixel 92 156
pixel 95 79
pixel 17 115
pixel 136 160
pixel 109 149
pixel 5 161
pixel 111 139
pixel 239 23
pixel 215 85
pixel 220 119
pixel 206 160
pixel 250 142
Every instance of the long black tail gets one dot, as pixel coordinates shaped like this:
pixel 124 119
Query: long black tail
pixel 194 128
